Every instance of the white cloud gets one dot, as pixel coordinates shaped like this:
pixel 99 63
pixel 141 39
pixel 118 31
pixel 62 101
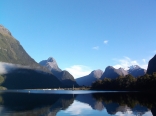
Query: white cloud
pixel 149 113
pixel 126 62
pixel 105 42
pixel 7 67
pixel 144 66
pixel 96 48
pixel 126 113
pixel 144 60
pixel 78 108
pixel 79 70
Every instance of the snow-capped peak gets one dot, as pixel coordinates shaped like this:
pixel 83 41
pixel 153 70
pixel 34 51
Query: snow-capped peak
pixel 133 67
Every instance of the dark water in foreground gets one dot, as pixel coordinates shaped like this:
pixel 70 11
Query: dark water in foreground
pixel 76 103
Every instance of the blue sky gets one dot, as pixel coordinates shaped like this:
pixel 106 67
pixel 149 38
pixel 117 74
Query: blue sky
pixel 84 35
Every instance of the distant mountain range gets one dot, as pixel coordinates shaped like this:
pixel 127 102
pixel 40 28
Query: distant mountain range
pixel 134 70
pixel 64 76
pixel 89 79
pixel 110 72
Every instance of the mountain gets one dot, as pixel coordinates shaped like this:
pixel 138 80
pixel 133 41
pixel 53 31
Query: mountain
pixel 136 71
pixel 23 78
pixel 12 52
pixel 18 69
pixel 152 66
pixel 51 64
pixel 89 79
pixel 64 76
pixel 111 72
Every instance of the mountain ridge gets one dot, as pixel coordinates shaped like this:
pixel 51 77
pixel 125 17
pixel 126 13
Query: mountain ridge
pixel 89 79
pixel 111 72
pixel 64 76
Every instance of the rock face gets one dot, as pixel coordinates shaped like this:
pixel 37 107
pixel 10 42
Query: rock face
pixel 89 79
pixel 51 64
pixel 111 72
pixel 152 66
pixel 136 71
pixel 64 76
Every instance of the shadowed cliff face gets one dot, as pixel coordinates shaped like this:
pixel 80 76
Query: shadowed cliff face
pixel 152 66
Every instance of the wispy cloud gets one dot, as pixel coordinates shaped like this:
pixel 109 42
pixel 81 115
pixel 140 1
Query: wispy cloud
pixel 105 42
pixel 78 70
pixel 126 62
pixel 96 48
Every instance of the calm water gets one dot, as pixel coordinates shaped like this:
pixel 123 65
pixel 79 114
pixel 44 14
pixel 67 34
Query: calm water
pixel 76 103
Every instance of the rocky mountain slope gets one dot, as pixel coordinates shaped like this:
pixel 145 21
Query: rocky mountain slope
pixel 111 72
pixel 89 79
pixel 136 71
pixel 64 76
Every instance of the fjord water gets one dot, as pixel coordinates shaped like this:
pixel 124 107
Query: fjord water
pixel 76 103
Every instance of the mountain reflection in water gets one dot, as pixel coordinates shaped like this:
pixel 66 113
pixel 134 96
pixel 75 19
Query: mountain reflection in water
pixel 37 104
